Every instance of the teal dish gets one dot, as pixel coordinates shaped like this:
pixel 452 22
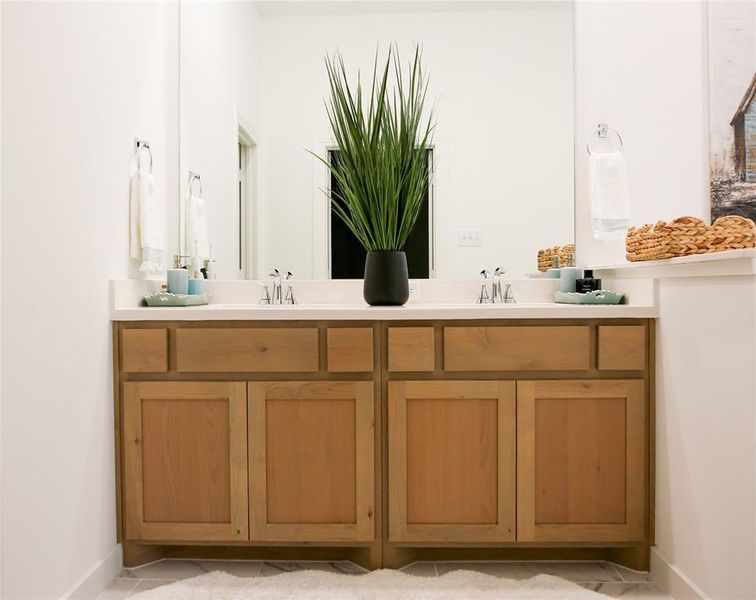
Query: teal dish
pixel 166 299
pixel 595 297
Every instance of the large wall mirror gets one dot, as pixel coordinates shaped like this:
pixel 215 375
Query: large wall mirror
pixel 253 84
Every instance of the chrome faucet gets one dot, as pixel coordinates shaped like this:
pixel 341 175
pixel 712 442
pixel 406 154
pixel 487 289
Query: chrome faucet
pixel 272 296
pixel 496 295
pixel 483 297
pixel 275 295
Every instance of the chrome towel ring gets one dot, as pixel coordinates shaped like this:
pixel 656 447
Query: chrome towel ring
pixel 143 144
pixel 192 178
pixel 603 133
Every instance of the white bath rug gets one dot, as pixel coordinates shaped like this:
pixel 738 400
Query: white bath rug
pixel 385 584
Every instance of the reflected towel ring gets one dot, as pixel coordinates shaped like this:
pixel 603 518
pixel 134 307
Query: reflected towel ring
pixel 602 133
pixel 138 146
pixel 192 178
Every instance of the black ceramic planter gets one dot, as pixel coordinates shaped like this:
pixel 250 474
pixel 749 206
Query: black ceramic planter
pixel 386 279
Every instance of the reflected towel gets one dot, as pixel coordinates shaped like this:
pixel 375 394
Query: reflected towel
pixel 146 237
pixel 610 202
pixel 196 227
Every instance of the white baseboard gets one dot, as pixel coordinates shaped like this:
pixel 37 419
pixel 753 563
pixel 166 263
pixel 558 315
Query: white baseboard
pixel 672 580
pixel 99 576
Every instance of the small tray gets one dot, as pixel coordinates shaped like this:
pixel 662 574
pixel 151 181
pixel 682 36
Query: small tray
pixel 597 297
pixel 166 299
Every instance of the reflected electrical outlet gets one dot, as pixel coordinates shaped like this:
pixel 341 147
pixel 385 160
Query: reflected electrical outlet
pixel 470 237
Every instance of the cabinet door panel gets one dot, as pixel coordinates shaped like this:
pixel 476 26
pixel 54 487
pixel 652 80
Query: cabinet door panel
pixel 311 461
pixel 451 461
pixel 442 463
pixel 185 459
pixel 581 460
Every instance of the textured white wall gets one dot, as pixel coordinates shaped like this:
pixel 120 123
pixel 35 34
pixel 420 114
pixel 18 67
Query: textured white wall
pixel 503 81
pixel 79 81
pixel 219 80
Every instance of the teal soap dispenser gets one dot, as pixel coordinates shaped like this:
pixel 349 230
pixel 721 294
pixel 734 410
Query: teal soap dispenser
pixel 569 275
pixel 554 272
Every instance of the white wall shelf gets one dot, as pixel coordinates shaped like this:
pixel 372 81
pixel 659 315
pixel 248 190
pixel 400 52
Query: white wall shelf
pixel 714 264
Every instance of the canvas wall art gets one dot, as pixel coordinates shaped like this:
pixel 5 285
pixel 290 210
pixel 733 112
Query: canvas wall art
pixel 732 107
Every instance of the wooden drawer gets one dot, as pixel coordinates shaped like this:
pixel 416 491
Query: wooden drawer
pixel 261 350
pixel 539 348
pixel 350 349
pixel 144 350
pixel 622 347
pixel 411 349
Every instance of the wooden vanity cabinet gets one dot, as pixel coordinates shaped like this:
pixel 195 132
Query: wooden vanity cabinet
pixel 311 463
pixel 185 453
pixel 386 443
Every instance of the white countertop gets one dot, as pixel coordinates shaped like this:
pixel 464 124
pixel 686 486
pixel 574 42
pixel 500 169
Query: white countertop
pixel 342 301
pixel 356 312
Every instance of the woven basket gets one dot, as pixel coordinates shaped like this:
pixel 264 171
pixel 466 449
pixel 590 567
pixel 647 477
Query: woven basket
pixel 545 256
pixel 687 236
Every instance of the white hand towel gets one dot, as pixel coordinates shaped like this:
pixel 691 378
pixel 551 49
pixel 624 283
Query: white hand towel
pixel 146 237
pixel 196 226
pixel 610 201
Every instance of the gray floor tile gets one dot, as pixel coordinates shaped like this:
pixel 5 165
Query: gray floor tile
pixel 421 569
pixel 150 584
pixel 606 578
pixel 118 590
pixel 628 591
pixel 276 567
pixel 240 568
pixel 348 567
pixel 126 574
pixel 630 575
pixel 168 569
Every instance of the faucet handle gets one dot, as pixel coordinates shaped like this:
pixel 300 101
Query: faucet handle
pixel 499 271
pixel 509 295
pixel 289 299
pixel 485 274
pixel 265 298
pixel 274 273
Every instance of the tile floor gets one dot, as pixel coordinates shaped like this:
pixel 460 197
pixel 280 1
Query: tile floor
pixel 606 578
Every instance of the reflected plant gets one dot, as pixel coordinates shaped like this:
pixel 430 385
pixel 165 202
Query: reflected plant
pixel 382 139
